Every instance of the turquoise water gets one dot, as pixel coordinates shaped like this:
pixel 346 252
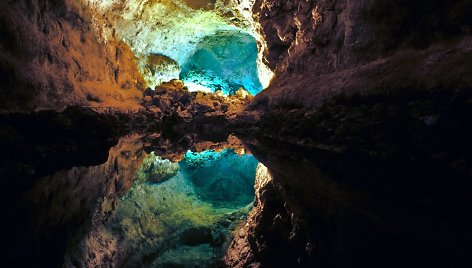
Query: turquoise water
pixel 184 214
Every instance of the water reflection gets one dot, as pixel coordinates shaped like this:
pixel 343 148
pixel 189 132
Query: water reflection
pixel 154 202
pixel 313 206
pixel 182 214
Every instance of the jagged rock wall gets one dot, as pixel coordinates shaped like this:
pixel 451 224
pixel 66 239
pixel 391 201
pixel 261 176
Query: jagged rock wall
pixel 103 53
pixel 334 35
pixel 323 48
pixel 368 182
pixel 51 57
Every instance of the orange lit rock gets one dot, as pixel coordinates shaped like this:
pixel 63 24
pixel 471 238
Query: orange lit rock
pixel 61 62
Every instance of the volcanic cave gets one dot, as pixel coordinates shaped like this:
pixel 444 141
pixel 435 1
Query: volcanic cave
pixel 236 133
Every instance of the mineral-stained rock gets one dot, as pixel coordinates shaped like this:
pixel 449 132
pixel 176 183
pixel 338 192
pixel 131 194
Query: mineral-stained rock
pixel 243 247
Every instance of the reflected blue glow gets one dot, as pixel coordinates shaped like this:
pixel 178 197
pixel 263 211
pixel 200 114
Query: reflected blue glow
pixel 223 179
pixel 187 211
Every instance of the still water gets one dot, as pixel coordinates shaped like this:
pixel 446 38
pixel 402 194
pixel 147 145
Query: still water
pixel 73 197
pixel 152 203
pixel 183 214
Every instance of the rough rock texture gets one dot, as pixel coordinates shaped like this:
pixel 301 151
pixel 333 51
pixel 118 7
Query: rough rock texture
pixel 323 48
pixel 149 224
pixel 173 28
pixel 174 147
pixel 365 130
pixel 224 179
pixel 62 181
pixel 51 57
pixel 159 169
pixel 173 99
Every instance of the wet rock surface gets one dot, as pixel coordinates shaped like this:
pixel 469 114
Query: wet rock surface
pixel 52 212
pixel 369 112
pixel 158 224
pixel 224 178
pixel 330 36
pixel 159 169
pixel 320 49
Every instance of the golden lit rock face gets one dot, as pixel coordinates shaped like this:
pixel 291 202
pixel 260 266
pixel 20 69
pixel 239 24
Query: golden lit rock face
pixel 232 142
pixel 50 58
pixel 173 28
pixel 158 65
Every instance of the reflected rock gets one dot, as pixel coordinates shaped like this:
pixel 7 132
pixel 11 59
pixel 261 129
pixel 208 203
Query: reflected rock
pixel 158 169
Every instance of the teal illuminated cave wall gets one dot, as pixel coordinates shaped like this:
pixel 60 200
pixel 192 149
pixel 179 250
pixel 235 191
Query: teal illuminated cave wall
pixel 226 61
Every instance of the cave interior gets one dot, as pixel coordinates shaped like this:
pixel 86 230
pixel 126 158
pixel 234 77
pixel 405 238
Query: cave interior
pixel 236 133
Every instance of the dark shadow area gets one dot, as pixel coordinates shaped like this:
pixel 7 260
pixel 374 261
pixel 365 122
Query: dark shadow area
pixel 378 180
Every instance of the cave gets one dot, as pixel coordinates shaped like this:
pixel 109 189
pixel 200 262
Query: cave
pixel 236 133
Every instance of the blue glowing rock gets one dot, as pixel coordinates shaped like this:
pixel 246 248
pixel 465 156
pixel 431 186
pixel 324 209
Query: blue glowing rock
pixel 224 61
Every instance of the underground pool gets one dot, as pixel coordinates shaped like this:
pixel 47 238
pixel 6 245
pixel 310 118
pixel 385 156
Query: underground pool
pixel 184 214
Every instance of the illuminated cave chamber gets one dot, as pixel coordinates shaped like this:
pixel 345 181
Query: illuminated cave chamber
pixel 210 44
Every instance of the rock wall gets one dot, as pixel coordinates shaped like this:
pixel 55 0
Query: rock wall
pixel 377 94
pixel 51 57
pixel 378 182
pixel 323 48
